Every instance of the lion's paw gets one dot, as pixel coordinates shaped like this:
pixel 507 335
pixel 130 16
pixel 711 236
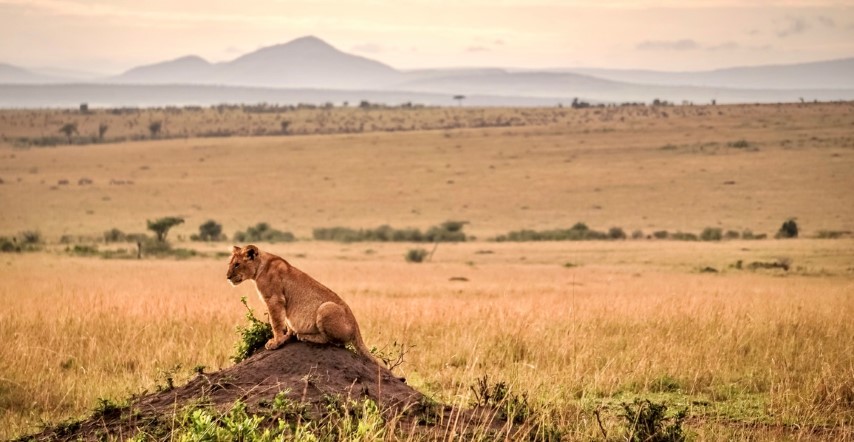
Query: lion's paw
pixel 273 344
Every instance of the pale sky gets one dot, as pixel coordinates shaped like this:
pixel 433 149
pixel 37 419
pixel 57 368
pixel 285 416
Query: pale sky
pixel 112 36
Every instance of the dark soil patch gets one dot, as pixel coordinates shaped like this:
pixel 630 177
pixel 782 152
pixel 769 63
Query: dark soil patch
pixel 308 374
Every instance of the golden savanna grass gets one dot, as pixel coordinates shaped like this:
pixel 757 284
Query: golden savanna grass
pixel 645 172
pixel 576 326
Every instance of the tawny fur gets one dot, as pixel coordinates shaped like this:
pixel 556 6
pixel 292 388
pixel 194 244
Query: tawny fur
pixel 297 304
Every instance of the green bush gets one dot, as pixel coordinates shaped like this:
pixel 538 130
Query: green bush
pixel 114 235
pixel 739 144
pixel 711 234
pixel 578 232
pixel 449 231
pixel 789 229
pixel 648 422
pixel 682 236
pixel 252 336
pixel 731 234
pixel 8 245
pixel 262 232
pixel 616 233
pixel 209 231
pixel 416 255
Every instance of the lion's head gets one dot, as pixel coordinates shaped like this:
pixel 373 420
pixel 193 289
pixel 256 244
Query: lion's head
pixel 243 265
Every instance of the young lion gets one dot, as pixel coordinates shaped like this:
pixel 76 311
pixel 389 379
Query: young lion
pixel 297 303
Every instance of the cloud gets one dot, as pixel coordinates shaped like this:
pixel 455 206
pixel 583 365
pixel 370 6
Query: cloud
pixel 684 44
pixel 726 46
pixel 794 26
pixel 477 49
pixel 368 48
pixel 826 21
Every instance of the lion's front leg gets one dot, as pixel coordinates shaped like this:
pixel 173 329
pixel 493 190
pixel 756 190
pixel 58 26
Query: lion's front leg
pixel 281 331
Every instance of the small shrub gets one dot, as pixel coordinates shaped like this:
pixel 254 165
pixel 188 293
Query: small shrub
pixel 616 233
pixel 637 234
pixel 731 234
pixel 647 422
pixel 508 405
pixel 832 234
pixel 210 231
pixel 114 235
pixel 262 232
pixel 789 229
pixel 416 255
pixel 30 238
pixel 711 234
pixel 82 250
pixel 252 336
pixel 682 236
pixel 739 144
pixel 660 234
pixel 8 245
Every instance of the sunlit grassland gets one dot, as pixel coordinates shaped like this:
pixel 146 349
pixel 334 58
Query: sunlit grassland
pixel 611 168
pixel 747 353
pixel 576 326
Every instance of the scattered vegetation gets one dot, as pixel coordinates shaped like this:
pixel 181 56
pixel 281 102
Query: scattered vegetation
pixel 647 421
pixel 262 232
pixel 448 231
pixel 26 241
pixel 416 255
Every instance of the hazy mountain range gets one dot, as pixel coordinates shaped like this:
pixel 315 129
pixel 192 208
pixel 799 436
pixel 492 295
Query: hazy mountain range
pixel 310 70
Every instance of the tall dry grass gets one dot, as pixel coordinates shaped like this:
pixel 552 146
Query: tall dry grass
pixel 750 355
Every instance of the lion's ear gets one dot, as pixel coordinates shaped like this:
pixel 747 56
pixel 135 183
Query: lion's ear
pixel 251 251
pixel 235 250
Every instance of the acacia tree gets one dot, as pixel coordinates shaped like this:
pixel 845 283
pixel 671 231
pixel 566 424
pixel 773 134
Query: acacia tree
pixel 161 226
pixel 69 129
pixel 459 99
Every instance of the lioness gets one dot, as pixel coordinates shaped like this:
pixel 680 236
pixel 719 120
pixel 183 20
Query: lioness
pixel 297 304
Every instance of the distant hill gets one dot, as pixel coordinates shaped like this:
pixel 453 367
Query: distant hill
pixel 306 62
pixel 187 69
pixel 833 74
pixel 308 69
pixel 14 75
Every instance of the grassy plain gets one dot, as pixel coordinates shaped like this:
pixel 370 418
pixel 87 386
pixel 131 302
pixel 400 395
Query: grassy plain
pixel 577 326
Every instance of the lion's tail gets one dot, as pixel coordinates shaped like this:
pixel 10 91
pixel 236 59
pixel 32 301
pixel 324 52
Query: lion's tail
pixel 363 349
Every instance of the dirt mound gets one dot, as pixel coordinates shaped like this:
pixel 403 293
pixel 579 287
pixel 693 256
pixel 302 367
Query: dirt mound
pixel 308 374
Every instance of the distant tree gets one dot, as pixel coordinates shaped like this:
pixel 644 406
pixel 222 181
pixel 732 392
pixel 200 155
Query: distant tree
pixel 578 104
pixel 459 99
pixel 210 231
pixel 789 229
pixel 102 129
pixel 284 125
pixel 154 127
pixel 161 226
pixel 69 129
pixel 84 108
